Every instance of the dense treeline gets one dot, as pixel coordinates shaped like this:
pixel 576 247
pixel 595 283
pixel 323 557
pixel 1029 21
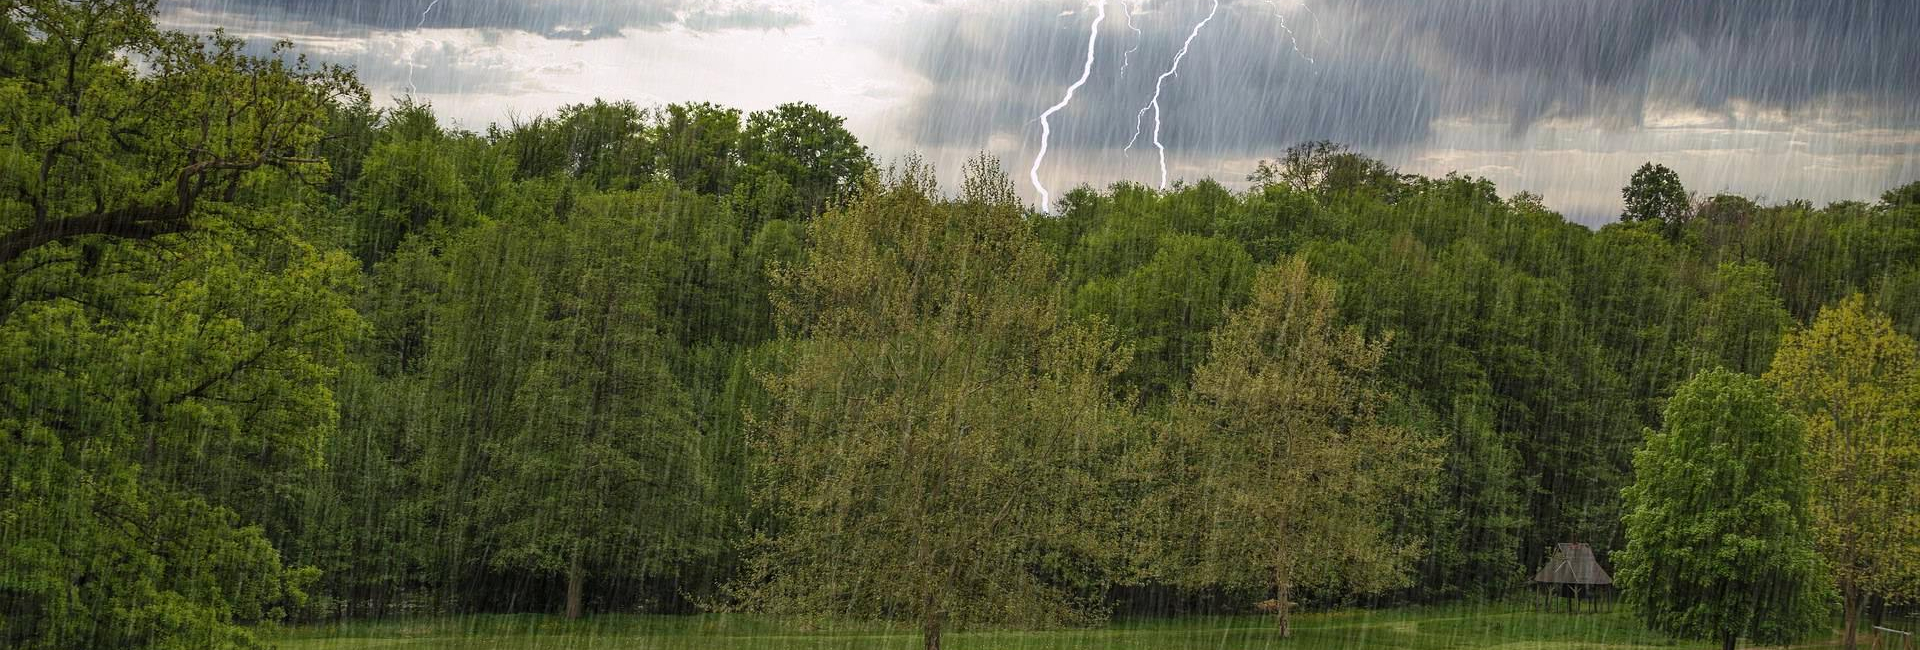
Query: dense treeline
pixel 273 353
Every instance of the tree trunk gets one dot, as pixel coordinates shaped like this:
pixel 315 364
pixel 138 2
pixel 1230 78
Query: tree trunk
pixel 1850 603
pixel 930 630
pixel 1282 611
pixel 576 586
pixel 1727 642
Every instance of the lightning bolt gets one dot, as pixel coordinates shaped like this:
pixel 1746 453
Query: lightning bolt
pixel 1292 40
pixel 411 89
pixel 1126 56
pixel 1154 104
pixel 1046 130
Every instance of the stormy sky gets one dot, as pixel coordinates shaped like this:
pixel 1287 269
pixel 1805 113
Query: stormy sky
pixel 1770 99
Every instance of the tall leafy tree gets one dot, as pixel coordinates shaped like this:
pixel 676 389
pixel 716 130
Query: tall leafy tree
pixel 1742 320
pixel 1169 305
pixel 159 410
pixel 600 468
pixel 797 159
pixel 160 402
pixel 936 434
pixel 1856 383
pixel 97 148
pixel 1278 472
pixel 700 146
pixel 1655 194
pixel 409 184
pixel 1719 539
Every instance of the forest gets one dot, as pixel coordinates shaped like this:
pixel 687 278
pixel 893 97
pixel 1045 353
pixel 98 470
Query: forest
pixel 272 354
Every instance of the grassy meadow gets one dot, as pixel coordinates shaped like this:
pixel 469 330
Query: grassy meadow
pixel 1503 626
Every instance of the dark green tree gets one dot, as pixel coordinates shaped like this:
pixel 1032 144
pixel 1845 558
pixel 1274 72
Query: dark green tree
pixel 1655 194
pixel 700 146
pixel 798 159
pixel 1902 196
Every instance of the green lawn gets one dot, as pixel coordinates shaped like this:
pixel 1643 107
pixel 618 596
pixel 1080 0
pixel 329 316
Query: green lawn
pixel 1507 627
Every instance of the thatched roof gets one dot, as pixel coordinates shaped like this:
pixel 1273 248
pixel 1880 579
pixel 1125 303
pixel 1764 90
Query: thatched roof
pixel 1573 564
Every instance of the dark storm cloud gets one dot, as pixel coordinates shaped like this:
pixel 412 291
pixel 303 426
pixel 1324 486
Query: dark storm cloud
pixel 993 70
pixel 1531 59
pixel 1384 70
pixel 562 19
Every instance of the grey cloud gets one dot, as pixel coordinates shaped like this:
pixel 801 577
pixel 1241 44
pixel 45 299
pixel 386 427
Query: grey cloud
pixel 726 20
pixel 1384 70
pixel 562 19
pixel 1533 59
pixel 1240 90
pixel 440 68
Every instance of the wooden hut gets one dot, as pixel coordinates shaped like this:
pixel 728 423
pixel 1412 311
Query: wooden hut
pixel 1572 572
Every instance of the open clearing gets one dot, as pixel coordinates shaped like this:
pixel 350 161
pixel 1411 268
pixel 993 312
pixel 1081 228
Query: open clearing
pixel 1492 626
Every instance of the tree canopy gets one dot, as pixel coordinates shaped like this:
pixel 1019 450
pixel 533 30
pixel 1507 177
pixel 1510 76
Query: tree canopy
pixel 1719 536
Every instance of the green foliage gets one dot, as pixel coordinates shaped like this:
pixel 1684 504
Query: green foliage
pixel 935 443
pixel 618 348
pixel 408 183
pixel 95 148
pixel 598 468
pixel 1902 196
pixel 1719 539
pixel 1277 472
pixel 1742 320
pixel 1327 168
pixel 796 161
pixel 1655 194
pixel 1169 305
pixel 160 407
pixel 700 146
pixel 1856 383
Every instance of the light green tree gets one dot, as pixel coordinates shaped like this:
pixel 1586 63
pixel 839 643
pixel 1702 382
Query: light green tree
pixel 1719 544
pixel 934 447
pixel 168 337
pixel 94 147
pixel 1277 472
pixel 1856 383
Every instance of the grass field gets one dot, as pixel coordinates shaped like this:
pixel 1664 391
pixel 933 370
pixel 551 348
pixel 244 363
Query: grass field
pixel 1492 626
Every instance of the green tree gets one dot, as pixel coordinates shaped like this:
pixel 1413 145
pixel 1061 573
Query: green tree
pixel 94 147
pixel 700 146
pixel 1169 306
pixel 797 160
pixel 409 183
pixel 159 408
pixel 1655 194
pixel 1326 169
pixel 936 435
pixel 160 402
pixel 1742 319
pixel 600 469
pixel 1902 196
pixel 1719 544
pixel 604 144
pixel 1278 473
pixel 1856 383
